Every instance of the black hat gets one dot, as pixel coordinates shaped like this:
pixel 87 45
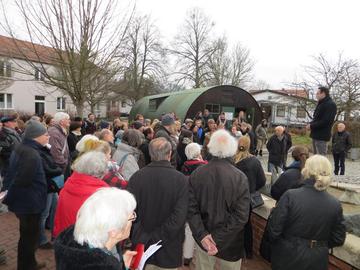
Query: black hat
pixel 8 118
pixel 137 125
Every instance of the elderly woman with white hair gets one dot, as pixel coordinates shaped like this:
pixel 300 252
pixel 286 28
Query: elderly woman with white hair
pixel 219 206
pixel 194 158
pixel 89 169
pixel 103 220
pixel 307 221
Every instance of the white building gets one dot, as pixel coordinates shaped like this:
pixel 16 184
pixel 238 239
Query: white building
pixel 285 107
pixel 28 93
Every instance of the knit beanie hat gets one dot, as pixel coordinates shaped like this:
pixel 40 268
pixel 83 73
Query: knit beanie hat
pixel 167 120
pixel 34 129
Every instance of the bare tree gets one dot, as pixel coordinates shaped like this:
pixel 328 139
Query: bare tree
pixel 145 59
pixel 219 63
pixel 234 67
pixel 259 85
pixel 193 48
pixel 340 76
pixel 84 38
pixel 348 95
pixel 241 66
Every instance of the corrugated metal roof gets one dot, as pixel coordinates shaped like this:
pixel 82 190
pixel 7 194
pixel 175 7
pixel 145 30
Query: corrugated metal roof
pixel 178 102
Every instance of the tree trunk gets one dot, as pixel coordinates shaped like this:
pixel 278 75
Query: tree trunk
pixel 80 109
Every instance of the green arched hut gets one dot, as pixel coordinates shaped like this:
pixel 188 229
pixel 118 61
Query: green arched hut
pixel 187 103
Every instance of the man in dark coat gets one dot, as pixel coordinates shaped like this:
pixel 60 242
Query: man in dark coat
pixel 27 192
pixel 162 194
pixel 323 119
pixel 89 126
pixel 278 147
pixel 341 144
pixel 166 130
pixel 9 139
pixel 219 206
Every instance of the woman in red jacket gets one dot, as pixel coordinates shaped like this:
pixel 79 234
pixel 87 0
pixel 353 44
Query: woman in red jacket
pixel 89 169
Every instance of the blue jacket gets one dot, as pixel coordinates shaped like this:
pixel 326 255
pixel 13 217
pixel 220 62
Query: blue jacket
pixel 26 180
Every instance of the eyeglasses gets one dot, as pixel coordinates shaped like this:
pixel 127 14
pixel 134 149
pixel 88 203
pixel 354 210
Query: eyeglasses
pixel 133 218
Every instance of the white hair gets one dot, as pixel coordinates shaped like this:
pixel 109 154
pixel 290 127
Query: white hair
pixel 80 146
pixel 92 163
pixel 106 210
pixel 222 144
pixel 192 151
pixel 319 168
pixel 60 116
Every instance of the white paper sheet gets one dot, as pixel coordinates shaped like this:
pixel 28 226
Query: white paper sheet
pixel 148 253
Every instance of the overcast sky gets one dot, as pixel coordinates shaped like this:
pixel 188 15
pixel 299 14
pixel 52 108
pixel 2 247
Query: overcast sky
pixel 282 35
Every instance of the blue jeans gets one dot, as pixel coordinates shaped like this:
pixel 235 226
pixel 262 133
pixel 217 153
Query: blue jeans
pixel 51 202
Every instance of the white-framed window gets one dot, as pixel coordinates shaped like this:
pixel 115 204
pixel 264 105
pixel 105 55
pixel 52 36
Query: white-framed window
pixel 6 101
pixel 5 69
pixel 123 104
pixel 280 110
pixel 61 103
pixel 39 76
pixel 300 112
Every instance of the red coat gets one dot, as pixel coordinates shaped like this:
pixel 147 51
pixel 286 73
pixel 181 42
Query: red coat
pixel 76 190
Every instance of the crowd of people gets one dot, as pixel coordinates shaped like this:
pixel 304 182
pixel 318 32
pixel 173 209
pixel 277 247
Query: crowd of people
pixel 103 188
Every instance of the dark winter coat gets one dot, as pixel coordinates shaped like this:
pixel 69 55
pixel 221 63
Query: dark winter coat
pixel 163 132
pixel 323 119
pixel 253 140
pixel 254 172
pixel 191 165
pixel 50 168
pixel 162 199
pixel 89 127
pixel 289 179
pixel 27 191
pixel 302 215
pixel 219 205
pixel 144 147
pixel 72 140
pixel 9 139
pixel 341 142
pixel 278 149
pixel 70 255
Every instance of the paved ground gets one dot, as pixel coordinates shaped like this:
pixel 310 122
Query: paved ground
pixel 351 167
pixel 9 236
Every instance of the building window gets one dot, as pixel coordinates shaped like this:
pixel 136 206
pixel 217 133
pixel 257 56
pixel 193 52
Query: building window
pixel 39 76
pixel 39 105
pixel 280 111
pixel 300 112
pixel 5 69
pixel 213 108
pixel 6 101
pixel 60 103
pixel 155 103
pixel 123 104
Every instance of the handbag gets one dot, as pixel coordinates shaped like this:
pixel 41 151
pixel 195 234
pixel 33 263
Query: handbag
pixel 256 199
pixel 58 182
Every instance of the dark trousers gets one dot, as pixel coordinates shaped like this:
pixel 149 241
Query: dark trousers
pixel 248 237
pixel 339 162
pixel 29 237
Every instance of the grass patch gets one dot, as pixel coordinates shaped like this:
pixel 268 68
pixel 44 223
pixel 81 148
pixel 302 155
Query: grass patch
pixel 301 139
